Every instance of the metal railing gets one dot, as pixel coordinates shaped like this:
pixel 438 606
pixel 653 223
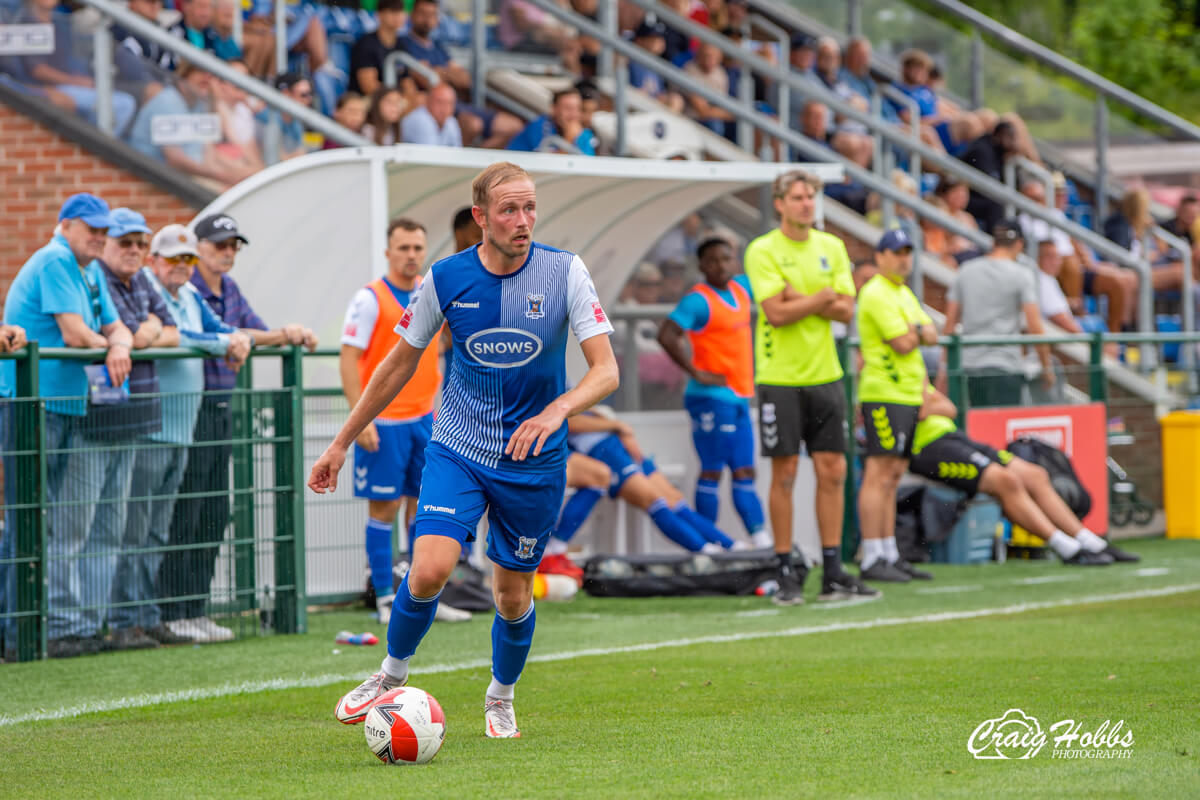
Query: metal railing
pixel 978 181
pixel 62 560
pixel 390 71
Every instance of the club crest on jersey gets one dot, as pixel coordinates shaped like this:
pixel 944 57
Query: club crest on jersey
pixel 525 547
pixel 825 264
pixel 535 305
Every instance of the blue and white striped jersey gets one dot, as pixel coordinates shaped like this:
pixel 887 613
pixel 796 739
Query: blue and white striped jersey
pixel 510 335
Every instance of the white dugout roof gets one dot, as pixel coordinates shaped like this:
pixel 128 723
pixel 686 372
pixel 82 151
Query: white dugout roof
pixel 317 224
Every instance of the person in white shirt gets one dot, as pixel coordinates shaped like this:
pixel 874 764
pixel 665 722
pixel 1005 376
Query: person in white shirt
pixel 434 122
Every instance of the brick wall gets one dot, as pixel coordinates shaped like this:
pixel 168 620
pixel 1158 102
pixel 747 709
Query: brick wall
pixel 39 169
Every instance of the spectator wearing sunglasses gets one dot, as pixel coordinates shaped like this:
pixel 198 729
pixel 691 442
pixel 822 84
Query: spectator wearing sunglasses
pixel 126 427
pixel 201 520
pixel 61 299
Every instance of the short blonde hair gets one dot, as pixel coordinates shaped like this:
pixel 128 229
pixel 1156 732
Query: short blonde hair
pixel 785 181
pixel 495 175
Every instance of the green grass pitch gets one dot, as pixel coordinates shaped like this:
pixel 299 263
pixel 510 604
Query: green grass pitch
pixel 687 698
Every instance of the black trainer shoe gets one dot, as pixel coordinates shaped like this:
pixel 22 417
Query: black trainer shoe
pixel 132 639
pixel 884 572
pixel 72 647
pixel 164 635
pixel 845 587
pixel 1085 559
pixel 1122 556
pixel 791 586
pixel 912 572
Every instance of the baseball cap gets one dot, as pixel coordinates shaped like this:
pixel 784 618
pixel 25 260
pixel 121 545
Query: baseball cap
pixel 1008 231
pixel 648 29
pixel 173 240
pixel 126 220
pixel 800 39
pixel 87 207
pixel 218 228
pixel 895 239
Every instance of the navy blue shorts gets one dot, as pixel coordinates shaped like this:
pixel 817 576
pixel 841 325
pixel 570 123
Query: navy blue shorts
pixel 721 432
pixel 394 470
pixel 522 507
pixel 617 459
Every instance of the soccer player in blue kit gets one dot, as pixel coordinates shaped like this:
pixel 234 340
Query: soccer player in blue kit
pixel 499 440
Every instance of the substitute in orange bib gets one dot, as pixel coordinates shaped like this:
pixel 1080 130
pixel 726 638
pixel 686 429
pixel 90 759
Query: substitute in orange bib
pixel 389 454
pixel 712 321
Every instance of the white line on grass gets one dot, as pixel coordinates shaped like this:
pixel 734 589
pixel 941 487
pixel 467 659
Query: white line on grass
pixel 966 587
pixel 760 612
pixel 1151 572
pixel 1046 579
pixel 312 681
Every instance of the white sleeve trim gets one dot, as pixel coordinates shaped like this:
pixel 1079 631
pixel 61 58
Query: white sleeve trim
pixel 361 316
pixel 423 317
pixel 587 316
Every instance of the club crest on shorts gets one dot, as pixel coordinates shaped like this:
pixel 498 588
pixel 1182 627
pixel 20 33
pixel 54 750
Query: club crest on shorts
pixel 525 547
pixel 535 304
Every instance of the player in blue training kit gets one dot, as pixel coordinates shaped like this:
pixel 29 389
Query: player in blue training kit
pixel 709 336
pixel 499 441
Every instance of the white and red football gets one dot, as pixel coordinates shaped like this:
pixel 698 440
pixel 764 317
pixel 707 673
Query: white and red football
pixel 405 726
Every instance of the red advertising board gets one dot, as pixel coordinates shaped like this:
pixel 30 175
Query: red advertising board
pixel 1079 431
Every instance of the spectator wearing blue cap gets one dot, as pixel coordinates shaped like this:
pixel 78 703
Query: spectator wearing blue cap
pixel 124 428
pixel 61 299
pixel 892 326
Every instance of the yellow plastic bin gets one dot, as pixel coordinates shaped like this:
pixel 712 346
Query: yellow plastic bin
pixel 1181 473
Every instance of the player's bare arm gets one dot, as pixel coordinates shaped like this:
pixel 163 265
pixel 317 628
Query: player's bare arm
pixel 599 382
pixel 674 343
pixel 790 306
pixel 348 369
pixel 384 385
pixel 841 309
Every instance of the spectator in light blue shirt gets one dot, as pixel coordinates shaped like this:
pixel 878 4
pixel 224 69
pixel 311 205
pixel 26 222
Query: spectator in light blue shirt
pixel 160 463
pixel 434 122
pixel 61 299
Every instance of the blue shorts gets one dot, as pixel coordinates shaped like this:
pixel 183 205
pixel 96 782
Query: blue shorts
pixel 522 507
pixel 721 432
pixel 394 470
pixel 617 459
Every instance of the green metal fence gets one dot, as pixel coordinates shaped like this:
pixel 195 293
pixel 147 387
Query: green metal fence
pixel 97 540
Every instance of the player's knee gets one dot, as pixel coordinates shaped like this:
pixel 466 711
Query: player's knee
pixel 512 599
pixel 830 469
pixel 783 475
pixel 711 475
pixel 427 576
pixel 599 475
pixel 1004 482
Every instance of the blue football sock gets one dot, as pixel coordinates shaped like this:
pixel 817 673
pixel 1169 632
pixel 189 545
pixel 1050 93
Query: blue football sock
pixel 379 556
pixel 511 640
pixel 702 525
pixel 708 503
pixel 411 618
pixel 748 506
pixel 673 527
pixel 575 512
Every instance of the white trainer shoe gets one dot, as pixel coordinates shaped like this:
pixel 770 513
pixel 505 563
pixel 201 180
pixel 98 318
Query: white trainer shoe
pixel 353 707
pixel 209 631
pixel 447 613
pixel 183 627
pixel 500 722
pixel 383 608
pixel 762 539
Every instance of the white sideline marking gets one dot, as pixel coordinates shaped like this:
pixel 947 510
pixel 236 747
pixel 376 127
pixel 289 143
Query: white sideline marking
pixel 967 587
pixel 760 612
pixel 1151 572
pixel 1046 579
pixel 305 682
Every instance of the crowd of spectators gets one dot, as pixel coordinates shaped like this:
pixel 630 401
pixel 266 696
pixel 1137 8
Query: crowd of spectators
pixel 127 438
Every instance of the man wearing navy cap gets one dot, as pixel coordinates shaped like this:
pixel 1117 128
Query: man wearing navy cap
pixel 202 520
pixel 61 299
pixel 892 327
pixel 126 427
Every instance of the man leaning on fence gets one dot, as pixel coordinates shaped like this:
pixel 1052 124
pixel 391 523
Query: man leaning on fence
pixel 161 460
pixel 202 511
pixel 121 427
pixel 61 299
